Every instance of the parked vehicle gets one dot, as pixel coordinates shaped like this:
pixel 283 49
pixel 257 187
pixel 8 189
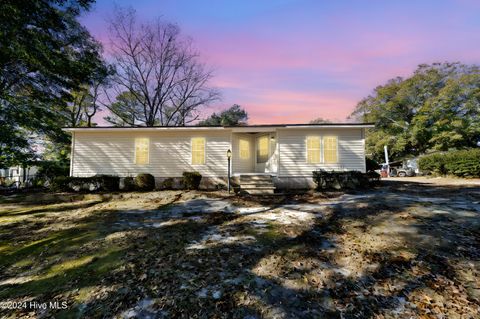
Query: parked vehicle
pixel 406 168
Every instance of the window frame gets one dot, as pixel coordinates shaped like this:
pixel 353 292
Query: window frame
pixel 204 150
pixel 247 149
pixel 257 148
pixel 135 150
pixel 320 153
pixel 336 149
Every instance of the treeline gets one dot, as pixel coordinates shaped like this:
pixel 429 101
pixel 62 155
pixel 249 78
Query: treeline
pixel 436 109
pixel 53 74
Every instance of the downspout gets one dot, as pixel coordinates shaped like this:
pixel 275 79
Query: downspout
pixel 72 153
pixel 277 138
pixel 364 157
pixel 231 148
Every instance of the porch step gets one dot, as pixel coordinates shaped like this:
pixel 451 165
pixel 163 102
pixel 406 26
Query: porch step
pixel 256 185
pixel 260 184
pixel 255 178
pixel 259 191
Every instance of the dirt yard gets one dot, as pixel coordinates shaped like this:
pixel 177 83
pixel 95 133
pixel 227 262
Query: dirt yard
pixel 406 249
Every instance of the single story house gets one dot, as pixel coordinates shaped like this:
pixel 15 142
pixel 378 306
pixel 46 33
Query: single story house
pixel 17 175
pixel 281 155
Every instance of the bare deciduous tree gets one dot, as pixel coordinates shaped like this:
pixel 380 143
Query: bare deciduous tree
pixel 159 68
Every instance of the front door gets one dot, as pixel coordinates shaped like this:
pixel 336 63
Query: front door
pixel 262 152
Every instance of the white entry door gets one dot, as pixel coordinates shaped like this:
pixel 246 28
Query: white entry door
pixel 262 152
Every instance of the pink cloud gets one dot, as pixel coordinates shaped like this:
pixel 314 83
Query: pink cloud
pixel 299 65
pixel 247 67
pixel 294 107
pixel 254 52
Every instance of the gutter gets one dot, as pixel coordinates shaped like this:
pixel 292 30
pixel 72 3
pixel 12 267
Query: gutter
pixel 142 129
pixel 72 153
pixel 327 126
pixel 240 128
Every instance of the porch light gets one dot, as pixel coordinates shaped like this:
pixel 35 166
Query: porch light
pixel 229 155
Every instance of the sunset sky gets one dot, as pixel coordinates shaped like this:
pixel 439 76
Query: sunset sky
pixel 291 61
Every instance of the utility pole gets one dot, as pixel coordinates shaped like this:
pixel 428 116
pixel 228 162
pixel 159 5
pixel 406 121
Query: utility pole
pixel 385 148
pixel 229 156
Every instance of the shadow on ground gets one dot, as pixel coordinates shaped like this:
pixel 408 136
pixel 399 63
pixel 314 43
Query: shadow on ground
pixel 401 250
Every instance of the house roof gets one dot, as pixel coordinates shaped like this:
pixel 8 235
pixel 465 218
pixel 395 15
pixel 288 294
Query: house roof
pixel 259 127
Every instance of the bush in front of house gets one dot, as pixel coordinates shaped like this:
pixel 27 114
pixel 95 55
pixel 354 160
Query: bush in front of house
pixel 167 183
pixel 191 180
pixel 342 180
pixel 145 182
pixel 105 183
pixel 128 184
pixel 463 163
pixel 60 184
pixel 371 164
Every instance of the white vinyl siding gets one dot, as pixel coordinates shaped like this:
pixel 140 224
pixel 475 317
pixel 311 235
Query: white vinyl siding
pixel 113 152
pixel 142 150
pixel 293 150
pixel 170 153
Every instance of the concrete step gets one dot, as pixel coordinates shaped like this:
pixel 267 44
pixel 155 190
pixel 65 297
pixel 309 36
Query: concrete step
pixel 255 178
pixel 259 191
pixel 257 187
pixel 260 184
pixel 254 184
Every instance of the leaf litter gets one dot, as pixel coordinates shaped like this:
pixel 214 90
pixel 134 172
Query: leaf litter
pixel 385 253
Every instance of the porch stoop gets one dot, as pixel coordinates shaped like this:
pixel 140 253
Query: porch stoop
pixel 256 184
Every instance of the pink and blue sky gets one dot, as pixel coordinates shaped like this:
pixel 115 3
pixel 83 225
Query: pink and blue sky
pixel 290 61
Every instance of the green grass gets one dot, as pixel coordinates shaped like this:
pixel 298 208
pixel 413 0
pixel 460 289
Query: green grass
pixel 37 210
pixel 56 243
pixel 267 235
pixel 70 274
pixel 55 258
